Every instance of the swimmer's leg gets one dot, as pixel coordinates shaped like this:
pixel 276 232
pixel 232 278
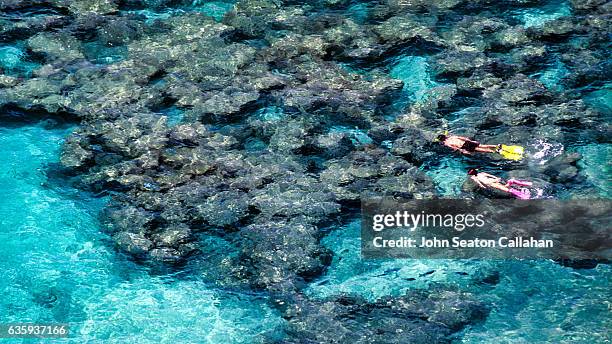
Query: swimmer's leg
pixel 520 194
pixel 518 182
pixel 486 149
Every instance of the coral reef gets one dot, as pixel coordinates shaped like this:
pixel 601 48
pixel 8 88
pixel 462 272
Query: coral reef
pixel 256 160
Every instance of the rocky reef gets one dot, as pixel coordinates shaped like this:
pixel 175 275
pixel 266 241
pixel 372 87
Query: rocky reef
pixel 255 156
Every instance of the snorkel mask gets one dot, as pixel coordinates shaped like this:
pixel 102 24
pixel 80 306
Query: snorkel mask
pixel 441 137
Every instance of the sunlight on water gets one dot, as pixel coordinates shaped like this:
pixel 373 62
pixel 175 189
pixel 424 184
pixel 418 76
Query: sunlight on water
pixel 214 9
pixel 58 266
pixel 10 57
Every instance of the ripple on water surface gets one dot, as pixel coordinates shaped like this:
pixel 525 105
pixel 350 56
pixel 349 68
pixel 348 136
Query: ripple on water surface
pixel 57 265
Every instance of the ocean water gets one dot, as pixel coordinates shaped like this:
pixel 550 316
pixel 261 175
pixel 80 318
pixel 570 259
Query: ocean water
pixel 537 17
pixel 532 301
pixel 553 76
pixel 14 60
pixel 59 267
pixel 356 135
pixel 414 72
pixel 595 163
pixel 448 176
pixel 214 9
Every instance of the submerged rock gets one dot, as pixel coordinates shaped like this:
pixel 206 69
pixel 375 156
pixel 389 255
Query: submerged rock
pixel 417 317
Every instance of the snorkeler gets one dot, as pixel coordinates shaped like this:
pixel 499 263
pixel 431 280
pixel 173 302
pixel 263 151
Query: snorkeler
pixel 489 181
pixel 468 146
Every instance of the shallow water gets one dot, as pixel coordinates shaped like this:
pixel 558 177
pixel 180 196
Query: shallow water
pixel 448 176
pixel 414 72
pixel 59 267
pixel 537 17
pixel 14 60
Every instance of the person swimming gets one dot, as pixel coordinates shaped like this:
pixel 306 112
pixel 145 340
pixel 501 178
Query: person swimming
pixel 466 145
pixel 489 181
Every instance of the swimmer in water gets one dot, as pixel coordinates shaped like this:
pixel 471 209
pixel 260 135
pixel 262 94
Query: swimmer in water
pixel 466 145
pixel 489 181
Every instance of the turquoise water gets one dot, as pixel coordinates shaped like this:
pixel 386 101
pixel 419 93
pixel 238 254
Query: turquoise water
pixel 102 54
pixel 58 267
pixel 414 72
pixel 537 17
pixel 214 9
pixel 270 113
pixel 553 76
pixel 14 62
pixel 448 176
pixel 173 114
pixel 601 100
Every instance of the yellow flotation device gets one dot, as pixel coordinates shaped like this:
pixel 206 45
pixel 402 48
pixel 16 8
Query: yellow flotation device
pixel 511 152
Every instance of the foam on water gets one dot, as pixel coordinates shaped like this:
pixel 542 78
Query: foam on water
pixel 58 266
pixel 541 152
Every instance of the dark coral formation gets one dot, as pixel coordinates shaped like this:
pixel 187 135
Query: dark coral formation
pixel 255 159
